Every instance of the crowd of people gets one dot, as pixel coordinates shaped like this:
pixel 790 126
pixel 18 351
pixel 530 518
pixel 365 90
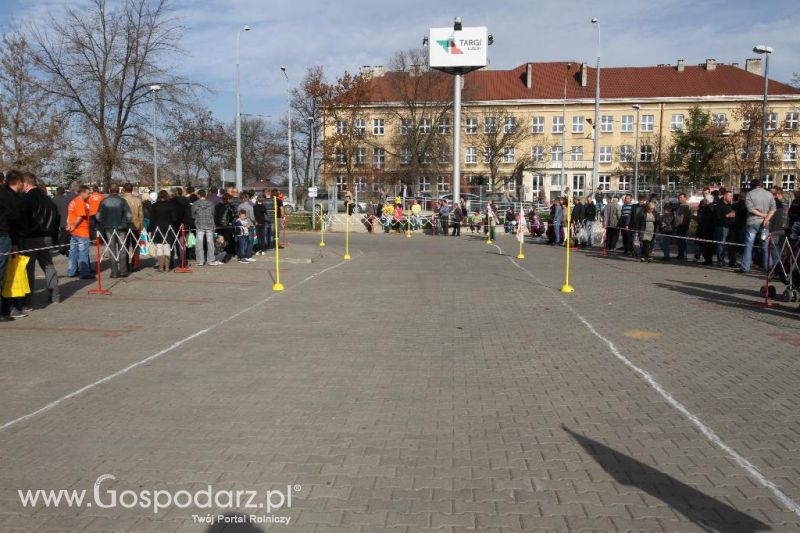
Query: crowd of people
pixel 210 227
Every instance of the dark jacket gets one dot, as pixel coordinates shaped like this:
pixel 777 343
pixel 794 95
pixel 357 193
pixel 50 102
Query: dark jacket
pixel 162 222
pixel 578 213
pixel 11 219
pixel 721 209
pixel 683 218
pixel 706 220
pixel 260 213
pixel 114 213
pixel 589 212
pixel 40 215
pixel 224 215
pixel 62 202
pixel 183 211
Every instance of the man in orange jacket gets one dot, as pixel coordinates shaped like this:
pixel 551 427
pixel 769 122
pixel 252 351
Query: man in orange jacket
pixel 93 202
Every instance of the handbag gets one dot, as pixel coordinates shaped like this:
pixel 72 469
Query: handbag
pixel 15 282
pixel 144 240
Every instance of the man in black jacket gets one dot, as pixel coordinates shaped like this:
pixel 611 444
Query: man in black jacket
pixel 10 225
pixel 114 218
pixel 42 222
pixel 725 216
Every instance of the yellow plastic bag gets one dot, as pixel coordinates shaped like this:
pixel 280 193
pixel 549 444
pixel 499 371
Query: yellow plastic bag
pixel 15 282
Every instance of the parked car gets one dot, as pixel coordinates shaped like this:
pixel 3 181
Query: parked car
pixel 312 204
pixel 289 206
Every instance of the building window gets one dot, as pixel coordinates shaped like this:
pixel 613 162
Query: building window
pixel 360 126
pixel 578 183
pixel 341 157
pixel 577 124
pixel 427 157
pixel 769 181
pixel 604 183
pixel 769 152
pixel 537 125
pixel 442 184
pixel 605 154
pixel 626 153
pixel 490 125
pixel 341 183
pixel 607 123
pixel 360 183
pixel 376 185
pixel 648 122
pixel 472 125
pixel 673 182
pixel 377 126
pixel 719 120
pixel 789 182
pixel 405 126
pixel 405 156
pixel 487 155
pixel 471 155
pixel 537 153
pixel 624 183
pixel 424 184
pixel 425 126
pixel 626 124
pixel 509 124
pixel 444 125
pixel 644 182
pixel 676 123
pixel 646 153
pixel 378 157
pixel 790 152
pixel 509 154
pixel 341 127
pixel 361 156
pixel 444 155
pixel 772 121
pixel 576 153
pixel 746 122
pixel 537 182
pixel 558 124
pixel 557 153
pixel 792 119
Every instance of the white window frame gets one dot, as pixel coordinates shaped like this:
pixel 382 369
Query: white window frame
pixel 424 184
pixel 360 127
pixel 341 183
pixel 378 157
pixel 606 123
pixel 578 184
pixel 558 124
pixel 578 123
pixel 792 120
pixel 676 122
pixel 490 125
pixel 341 127
pixel 769 151
pixel 719 120
pixel 444 155
pixel 673 182
pixel 624 183
pixel 405 156
pixel 360 183
pixel 772 121
pixel 442 184
pixel 769 181
pixel 340 156
pixel 405 126
pixel 537 153
pixel 471 125
pixel 604 182
pixel 537 124
pixel 646 153
pixel 789 182
pixel 378 126
pixel 576 153
pixel 425 126
pixel 361 155
pixel 444 126
pixel 627 123
pixel 648 123
pixel 509 155
pixel 509 124
pixel 606 154
pixel 790 152
pixel 626 153
pixel 487 155
pixel 556 152
pixel 471 155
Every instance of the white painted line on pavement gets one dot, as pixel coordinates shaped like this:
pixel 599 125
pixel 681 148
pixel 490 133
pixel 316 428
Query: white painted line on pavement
pixel 156 355
pixel 705 430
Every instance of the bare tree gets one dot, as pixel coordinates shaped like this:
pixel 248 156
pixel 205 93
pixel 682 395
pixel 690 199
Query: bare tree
pixel 196 145
pixel 657 161
pixel 30 127
pixel 307 125
pixel 501 136
pixel 99 62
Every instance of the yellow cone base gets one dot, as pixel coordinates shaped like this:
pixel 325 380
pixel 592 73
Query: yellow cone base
pixel 489 241
pixel 278 287
pixel 322 244
pixel 520 256
pixel 347 257
pixel 567 289
pixel 408 235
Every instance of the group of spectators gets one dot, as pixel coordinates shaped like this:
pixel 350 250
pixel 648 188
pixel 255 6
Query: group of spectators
pixel 209 227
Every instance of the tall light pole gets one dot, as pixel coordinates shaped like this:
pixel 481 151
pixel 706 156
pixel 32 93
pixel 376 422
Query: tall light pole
pixel 238 115
pixel 154 89
pixel 564 130
pixel 289 122
pixel 596 124
pixel 767 50
pixel 312 150
pixel 638 108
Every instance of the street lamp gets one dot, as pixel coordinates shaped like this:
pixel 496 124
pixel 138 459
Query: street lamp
pixel 239 115
pixel 289 122
pixel 767 50
pixel 638 108
pixel 310 120
pixel 596 124
pixel 154 89
pixel 564 130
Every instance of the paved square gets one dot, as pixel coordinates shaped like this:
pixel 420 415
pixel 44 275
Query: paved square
pixel 428 383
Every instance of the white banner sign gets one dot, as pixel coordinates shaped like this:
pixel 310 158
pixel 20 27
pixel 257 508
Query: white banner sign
pixel 455 49
pixel 312 192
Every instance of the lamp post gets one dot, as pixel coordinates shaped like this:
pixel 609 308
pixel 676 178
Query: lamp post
pixel 312 150
pixel 767 50
pixel 289 122
pixel 238 115
pixel 638 108
pixel 154 89
pixel 596 124
pixel 564 131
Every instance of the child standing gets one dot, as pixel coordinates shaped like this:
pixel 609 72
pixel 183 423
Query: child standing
pixel 244 242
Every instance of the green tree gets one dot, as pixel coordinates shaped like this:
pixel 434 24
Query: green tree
pixel 699 148
pixel 71 169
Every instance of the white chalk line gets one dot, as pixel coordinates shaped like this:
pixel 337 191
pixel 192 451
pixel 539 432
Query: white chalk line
pixel 648 378
pixel 147 359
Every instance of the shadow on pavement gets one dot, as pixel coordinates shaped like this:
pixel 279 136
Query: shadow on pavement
pixel 702 510
pixel 238 524
pixel 722 295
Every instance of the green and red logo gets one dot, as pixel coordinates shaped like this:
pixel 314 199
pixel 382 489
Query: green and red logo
pixel 449 46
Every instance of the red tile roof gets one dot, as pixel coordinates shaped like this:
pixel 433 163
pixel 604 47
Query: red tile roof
pixel 615 82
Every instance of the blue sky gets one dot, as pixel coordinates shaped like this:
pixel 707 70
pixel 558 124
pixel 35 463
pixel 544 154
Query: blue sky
pixel 345 34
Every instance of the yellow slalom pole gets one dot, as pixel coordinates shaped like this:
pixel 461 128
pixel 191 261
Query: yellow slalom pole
pixel 321 225
pixel 347 231
pixel 408 227
pixel 567 287
pixel 277 286
pixel 520 255
pixel 489 224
